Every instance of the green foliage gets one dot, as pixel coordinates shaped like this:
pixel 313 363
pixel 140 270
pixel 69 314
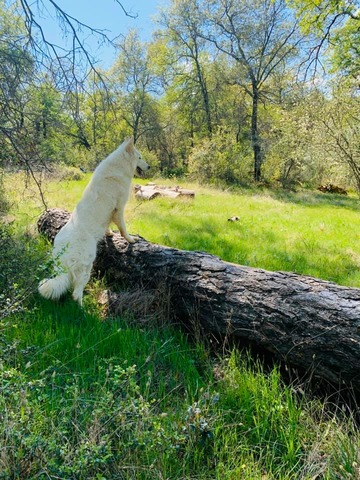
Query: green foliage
pixel 132 80
pixel 75 399
pixel 346 51
pixel 21 261
pixel 321 16
pixel 45 124
pixel 296 155
pixel 4 201
pixel 336 24
pixel 220 160
pixel 265 414
pixel 151 158
pixel 16 70
pixel 340 122
pixel 190 88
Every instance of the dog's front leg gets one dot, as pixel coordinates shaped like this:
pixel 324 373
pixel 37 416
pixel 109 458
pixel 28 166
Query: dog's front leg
pixel 119 220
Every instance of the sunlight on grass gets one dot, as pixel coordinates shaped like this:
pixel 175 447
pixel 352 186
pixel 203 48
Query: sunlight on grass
pixel 274 234
pixel 26 200
pixel 306 233
pixel 71 340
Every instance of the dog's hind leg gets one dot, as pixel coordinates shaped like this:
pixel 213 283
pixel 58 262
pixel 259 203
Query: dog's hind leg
pixel 119 220
pixel 80 278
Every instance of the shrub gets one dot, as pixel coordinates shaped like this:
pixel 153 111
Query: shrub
pixel 21 260
pixel 220 160
pixel 151 159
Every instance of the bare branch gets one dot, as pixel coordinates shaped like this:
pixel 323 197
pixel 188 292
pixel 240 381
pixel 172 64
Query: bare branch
pixel 74 61
pixel 28 164
pixel 128 14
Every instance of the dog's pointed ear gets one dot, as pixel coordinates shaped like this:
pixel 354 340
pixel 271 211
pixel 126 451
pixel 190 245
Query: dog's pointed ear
pixel 129 145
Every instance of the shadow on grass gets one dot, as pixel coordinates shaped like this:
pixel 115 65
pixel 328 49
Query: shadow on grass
pixel 314 199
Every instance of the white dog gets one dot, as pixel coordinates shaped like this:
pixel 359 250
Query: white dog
pixel 103 202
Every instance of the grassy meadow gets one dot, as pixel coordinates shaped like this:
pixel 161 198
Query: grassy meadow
pixel 309 233
pixel 83 396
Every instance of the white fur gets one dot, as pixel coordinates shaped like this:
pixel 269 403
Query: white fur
pixel 103 202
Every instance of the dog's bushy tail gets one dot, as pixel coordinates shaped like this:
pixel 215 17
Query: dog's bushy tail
pixel 54 288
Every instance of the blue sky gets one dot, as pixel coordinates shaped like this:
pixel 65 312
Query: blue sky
pixel 108 15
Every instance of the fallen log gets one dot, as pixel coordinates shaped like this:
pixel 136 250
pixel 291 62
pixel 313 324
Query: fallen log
pixel 151 191
pixel 306 322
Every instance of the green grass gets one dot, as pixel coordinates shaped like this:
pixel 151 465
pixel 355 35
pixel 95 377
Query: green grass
pixel 76 341
pixel 308 233
pixel 88 397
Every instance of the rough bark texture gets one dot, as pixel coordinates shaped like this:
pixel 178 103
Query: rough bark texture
pixel 51 222
pixel 306 322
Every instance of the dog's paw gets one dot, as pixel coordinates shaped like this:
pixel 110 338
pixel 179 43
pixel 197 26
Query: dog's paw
pixel 130 238
pixel 109 233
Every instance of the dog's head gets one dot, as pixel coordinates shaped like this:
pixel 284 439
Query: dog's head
pixel 140 166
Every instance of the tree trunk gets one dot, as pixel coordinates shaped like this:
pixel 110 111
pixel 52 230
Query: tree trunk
pixel 205 95
pixel 306 322
pixel 255 138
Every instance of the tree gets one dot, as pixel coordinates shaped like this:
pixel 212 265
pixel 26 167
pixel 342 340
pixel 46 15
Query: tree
pixel 296 151
pixel 26 55
pixel 16 73
pixel 341 123
pixel 345 51
pixel 181 22
pixel 134 82
pixel 332 22
pixel 72 59
pixel 25 49
pixel 257 37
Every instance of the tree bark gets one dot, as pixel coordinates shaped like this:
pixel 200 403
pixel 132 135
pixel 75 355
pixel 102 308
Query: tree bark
pixel 255 137
pixel 306 322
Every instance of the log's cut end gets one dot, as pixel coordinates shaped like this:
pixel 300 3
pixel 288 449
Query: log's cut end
pixel 51 221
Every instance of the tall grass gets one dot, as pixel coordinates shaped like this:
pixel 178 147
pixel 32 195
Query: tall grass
pixel 88 399
pixel 83 396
